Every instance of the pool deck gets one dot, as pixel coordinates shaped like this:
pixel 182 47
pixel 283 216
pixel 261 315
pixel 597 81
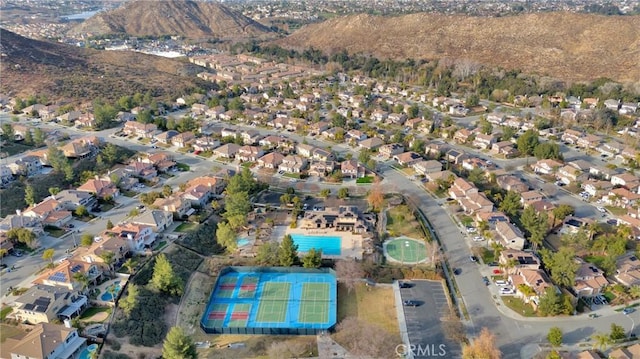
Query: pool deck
pixel 103 288
pixel 350 245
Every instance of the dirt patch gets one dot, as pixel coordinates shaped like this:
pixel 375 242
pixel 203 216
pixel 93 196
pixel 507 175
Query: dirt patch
pixel 97 318
pixel 170 314
pixel 134 351
pixel 194 301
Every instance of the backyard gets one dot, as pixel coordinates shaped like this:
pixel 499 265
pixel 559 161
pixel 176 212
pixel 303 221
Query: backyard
pixel 402 222
pixel 186 227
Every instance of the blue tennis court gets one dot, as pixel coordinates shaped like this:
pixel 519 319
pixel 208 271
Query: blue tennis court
pixel 330 245
pixel 284 301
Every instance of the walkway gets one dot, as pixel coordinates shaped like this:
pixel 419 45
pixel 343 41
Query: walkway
pixel 328 348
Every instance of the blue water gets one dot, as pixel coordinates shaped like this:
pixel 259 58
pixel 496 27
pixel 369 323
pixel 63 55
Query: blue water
pixel 243 242
pixel 107 296
pixel 86 353
pixel 330 245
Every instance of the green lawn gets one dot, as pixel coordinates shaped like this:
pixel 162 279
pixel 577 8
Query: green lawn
pixel 183 167
pixel 518 306
pixel 292 175
pixel 93 311
pixel 247 164
pixel 160 245
pixel 86 218
pixel 616 211
pixel 186 227
pixel 487 255
pixel 129 194
pixel 5 311
pixel 12 148
pixel 55 231
pixel 595 260
pixel 105 207
pixel 365 180
pixel 402 222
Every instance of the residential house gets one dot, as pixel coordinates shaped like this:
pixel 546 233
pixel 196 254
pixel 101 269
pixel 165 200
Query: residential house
pixel 78 149
pixel 156 219
pixel 628 270
pixel 371 143
pixel 506 148
pixel 272 141
pixel 175 204
pixel 589 141
pixel 293 164
pixel 183 139
pixel 271 160
pixel 472 163
pixel 145 130
pixel 612 104
pixel 70 199
pixel 86 120
pixel 63 274
pixel 569 174
pixel 509 235
pixel 630 352
pixel 628 108
pixel 484 141
pixel 621 197
pixel 424 167
pixel 518 259
pixel 138 237
pixel 462 188
pixel 249 153
pixel 6 175
pixel 610 149
pixel 166 137
pixel 19 220
pixel 530 196
pixel 413 123
pixel 206 143
pixel 101 188
pixel 455 156
pixel 462 135
pixel 573 224
pixel 250 137
pixel 321 154
pixel 26 166
pixel 625 180
pixel 198 109
pixel 491 218
pixel 142 170
pixel 198 195
pixel 45 341
pixel 321 168
pixel 352 169
pixel 603 172
pixel 535 279
pixel 435 149
pixel 512 183
pixel 216 184
pixel 581 165
pixel 390 150
pixel 69 117
pixel 229 150
pixel 355 135
pixel 590 280
pixel 318 127
pixel 571 136
pixel 45 304
pixel 597 188
pixel 546 166
pixel 476 202
pixel 305 150
pixel 407 158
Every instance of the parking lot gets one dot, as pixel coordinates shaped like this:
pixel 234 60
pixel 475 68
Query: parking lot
pixel 424 320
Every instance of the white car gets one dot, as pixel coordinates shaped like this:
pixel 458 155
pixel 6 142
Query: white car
pixel 506 291
pixel 601 209
pixel 471 230
pixel 478 239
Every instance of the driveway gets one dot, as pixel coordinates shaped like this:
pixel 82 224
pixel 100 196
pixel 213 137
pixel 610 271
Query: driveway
pixel 426 337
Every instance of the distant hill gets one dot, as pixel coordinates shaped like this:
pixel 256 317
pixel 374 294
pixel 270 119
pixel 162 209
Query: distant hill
pixel 61 71
pixel 194 20
pixel 562 45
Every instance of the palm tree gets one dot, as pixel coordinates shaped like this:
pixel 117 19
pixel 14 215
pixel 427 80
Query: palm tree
pixel 82 279
pixel 634 291
pixel 601 340
pixel 593 228
pixel 526 290
pixel 129 265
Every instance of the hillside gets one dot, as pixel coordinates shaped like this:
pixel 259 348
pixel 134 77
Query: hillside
pixel 65 72
pixel 193 20
pixel 563 45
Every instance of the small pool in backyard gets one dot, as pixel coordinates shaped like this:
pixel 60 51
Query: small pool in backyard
pixel 88 351
pixel 330 245
pixel 107 296
pixel 243 242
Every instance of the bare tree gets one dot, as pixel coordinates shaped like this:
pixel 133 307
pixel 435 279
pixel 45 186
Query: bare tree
pixel 482 347
pixel 365 339
pixel 433 252
pixel 453 327
pixel 349 272
pixel 279 350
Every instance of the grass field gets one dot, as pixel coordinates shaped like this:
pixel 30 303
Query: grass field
pixel 375 305
pixel 186 227
pixel 365 180
pixel 402 222
pixel 518 306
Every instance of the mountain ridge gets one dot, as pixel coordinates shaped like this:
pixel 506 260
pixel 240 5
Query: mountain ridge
pixel 563 45
pixel 167 17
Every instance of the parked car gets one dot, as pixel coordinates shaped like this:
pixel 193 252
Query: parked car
pixel 404 285
pixel 478 239
pixel 457 271
pixel 506 290
pixel 602 209
pixel 471 230
pixel 474 259
pixel 486 280
pixel 628 310
pixel 411 303
pixel 502 283
pixel 17 253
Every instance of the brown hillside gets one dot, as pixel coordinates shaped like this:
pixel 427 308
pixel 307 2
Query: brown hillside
pixel 65 72
pixel 194 20
pixel 563 45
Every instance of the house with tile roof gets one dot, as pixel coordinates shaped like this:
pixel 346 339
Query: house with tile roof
pixel 271 160
pixel 293 164
pixel 628 270
pixel 158 220
pixel 101 188
pixel 509 235
pixel 177 205
pixel 535 279
pixel 45 341
pixel 229 150
pixel 590 280
pixel 139 237
pixel 630 352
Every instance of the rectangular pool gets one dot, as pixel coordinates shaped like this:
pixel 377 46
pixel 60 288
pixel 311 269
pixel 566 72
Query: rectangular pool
pixel 330 245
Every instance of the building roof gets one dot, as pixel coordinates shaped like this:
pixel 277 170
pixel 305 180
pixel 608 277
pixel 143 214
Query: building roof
pixel 41 341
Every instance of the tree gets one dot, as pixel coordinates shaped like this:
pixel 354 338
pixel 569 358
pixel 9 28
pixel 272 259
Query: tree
pixel 375 198
pixel 22 235
pixel 364 156
pixel 601 340
pixel 561 212
pixel 54 190
pixel 325 193
pixel 81 211
pixel 287 252
pixel 349 272
pixel 527 142
pixel 166 190
pixel 562 265
pixel 510 204
pixel 28 137
pixel 555 337
pixel 109 258
pixel 550 302
pixel 546 150
pixel 483 347
pixel 82 279
pixel 109 224
pixel 129 265
pixel 267 254
pixel 48 254
pixel 313 259
pixel 164 278
pixel 226 236
pixel 30 195
pixel 343 193
pixel 617 332
pixel 86 240
pixel 130 301
pixel 453 328
pixel 134 212
pixel 178 345
pixel 38 137
pixel 7 132
pixel 536 224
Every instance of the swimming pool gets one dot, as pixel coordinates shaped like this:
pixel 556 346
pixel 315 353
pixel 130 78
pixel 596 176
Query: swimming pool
pixel 86 353
pixel 243 242
pixel 330 245
pixel 107 296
